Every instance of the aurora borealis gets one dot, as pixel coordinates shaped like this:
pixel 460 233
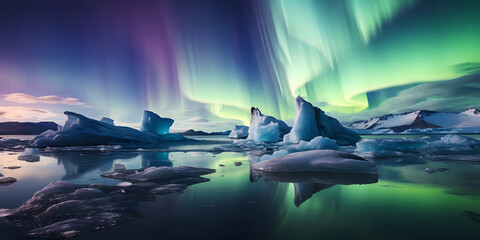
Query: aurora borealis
pixel 214 59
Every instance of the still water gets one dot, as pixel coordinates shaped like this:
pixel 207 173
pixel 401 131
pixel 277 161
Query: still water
pixel 405 203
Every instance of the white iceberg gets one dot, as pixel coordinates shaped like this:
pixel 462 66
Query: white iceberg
pixel 29 155
pixel 311 121
pixel 152 123
pixel 327 161
pixel 239 132
pixel 266 128
pixel 82 131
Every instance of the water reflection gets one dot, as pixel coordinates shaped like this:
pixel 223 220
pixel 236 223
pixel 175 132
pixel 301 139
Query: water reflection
pixel 156 159
pixel 308 183
pixel 77 164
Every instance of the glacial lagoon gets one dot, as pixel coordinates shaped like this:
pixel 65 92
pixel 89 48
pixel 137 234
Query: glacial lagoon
pixel 405 202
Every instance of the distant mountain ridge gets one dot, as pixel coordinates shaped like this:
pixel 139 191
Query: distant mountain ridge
pixel 26 128
pixel 421 119
pixel 192 132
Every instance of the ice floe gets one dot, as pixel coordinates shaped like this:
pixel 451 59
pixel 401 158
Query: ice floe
pixel 6 180
pixel 329 161
pixel 65 210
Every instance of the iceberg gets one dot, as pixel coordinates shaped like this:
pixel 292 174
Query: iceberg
pixel 326 161
pixel 152 123
pixel 311 121
pixel 82 131
pixel 239 132
pixel 266 128
pixel 30 155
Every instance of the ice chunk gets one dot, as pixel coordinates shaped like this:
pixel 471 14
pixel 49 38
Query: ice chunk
pixel 329 161
pixel 275 154
pixel 30 155
pixel 239 131
pixel 12 143
pixel 159 174
pixel 6 180
pixel 107 120
pixel 124 184
pixel 311 121
pixel 152 123
pixel 65 210
pixel 169 188
pixel 453 140
pixel 266 128
pixel 119 167
pixel 82 131
pixel 267 133
pixel 389 146
pixel 430 170
pixel 315 144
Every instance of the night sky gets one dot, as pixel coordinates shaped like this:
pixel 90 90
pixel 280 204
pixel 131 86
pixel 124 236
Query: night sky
pixel 205 63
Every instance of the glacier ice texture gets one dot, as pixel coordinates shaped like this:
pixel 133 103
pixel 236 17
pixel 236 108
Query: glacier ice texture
pixel 311 121
pixel 266 128
pixel 82 131
pixel 239 132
